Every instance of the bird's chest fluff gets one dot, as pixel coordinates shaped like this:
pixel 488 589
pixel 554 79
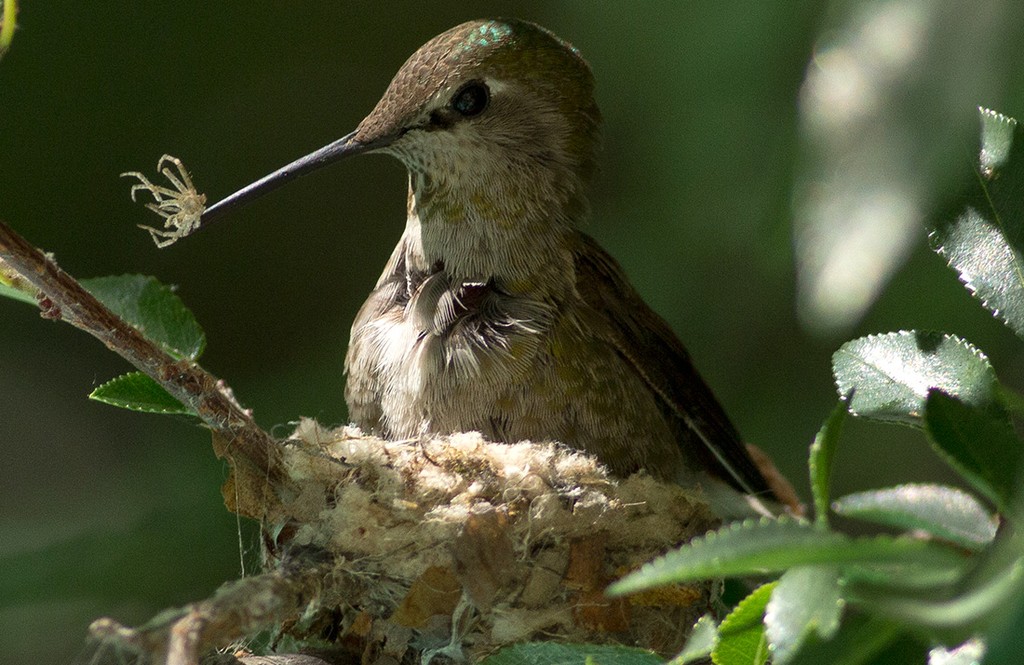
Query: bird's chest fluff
pixel 450 355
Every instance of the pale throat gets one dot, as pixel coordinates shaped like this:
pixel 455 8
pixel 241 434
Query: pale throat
pixel 490 235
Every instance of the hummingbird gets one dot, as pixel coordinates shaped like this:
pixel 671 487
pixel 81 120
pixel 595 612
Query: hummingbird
pixel 495 312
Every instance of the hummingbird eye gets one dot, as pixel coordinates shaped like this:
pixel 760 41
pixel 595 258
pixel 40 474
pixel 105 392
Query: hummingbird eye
pixel 471 99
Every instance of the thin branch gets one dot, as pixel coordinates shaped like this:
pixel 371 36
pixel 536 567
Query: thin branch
pixel 238 609
pixel 251 451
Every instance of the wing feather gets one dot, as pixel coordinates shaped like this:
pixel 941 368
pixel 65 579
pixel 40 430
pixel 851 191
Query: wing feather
pixel 654 352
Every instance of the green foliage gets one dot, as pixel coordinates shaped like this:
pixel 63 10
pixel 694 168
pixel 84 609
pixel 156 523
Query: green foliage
pixel 956 429
pixel 771 546
pixel 741 636
pixel 820 464
pixel 703 640
pixel 807 599
pixel 891 374
pixel 945 512
pixel 137 392
pixel 154 310
pixel 7 24
pixel 984 243
pixel 940 588
pixel 10 291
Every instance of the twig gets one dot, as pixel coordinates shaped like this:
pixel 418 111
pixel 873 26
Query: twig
pixel 252 452
pixel 237 610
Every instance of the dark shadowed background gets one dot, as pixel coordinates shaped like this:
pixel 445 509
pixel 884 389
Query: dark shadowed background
pixel 107 512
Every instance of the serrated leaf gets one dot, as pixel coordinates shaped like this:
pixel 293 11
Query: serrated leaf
pixel 806 600
pixel 892 374
pixel 984 450
pixel 984 243
pixel 138 392
pixel 881 141
pixel 767 546
pixel 945 512
pixel 154 310
pixel 822 453
pixel 996 140
pixel 741 639
pixel 702 641
pixel 552 653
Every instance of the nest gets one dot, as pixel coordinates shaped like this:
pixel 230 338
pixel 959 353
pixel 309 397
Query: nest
pixel 449 547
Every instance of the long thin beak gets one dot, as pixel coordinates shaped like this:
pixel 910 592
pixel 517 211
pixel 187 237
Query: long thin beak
pixel 346 146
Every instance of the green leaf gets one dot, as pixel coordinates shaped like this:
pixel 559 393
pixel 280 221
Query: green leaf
pixel 13 293
pixel 741 638
pixel 138 392
pixel 996 140
pixel 984 450
pixel 806 600
pixel 552 653
pixel 767 546
pixel 822 453
pixel 154 310
pixel 945 512
pixel 1004 641
pixel 7 25
pixel 16 287
pixel 859 640
pixel 702 641
pixel 980 603
pixel 893 373
pixel 985 242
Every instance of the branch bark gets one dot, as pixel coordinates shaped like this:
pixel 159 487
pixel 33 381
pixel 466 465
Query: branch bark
pixel 237 610
pixel 250 450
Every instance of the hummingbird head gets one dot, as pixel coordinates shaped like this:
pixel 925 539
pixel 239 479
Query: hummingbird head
pixel 497 113
pixel 496 122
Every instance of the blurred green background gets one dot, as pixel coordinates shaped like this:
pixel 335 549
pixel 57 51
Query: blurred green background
pixel 714 170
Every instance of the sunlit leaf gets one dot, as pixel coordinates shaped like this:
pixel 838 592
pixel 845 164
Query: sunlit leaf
pixel 767 546
pixel 741 637
pixel 884 130
pixel 701 642
pixel 891 374
pixel 944 512
pixel 805 600
pixel 984 243
pixel 968 653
